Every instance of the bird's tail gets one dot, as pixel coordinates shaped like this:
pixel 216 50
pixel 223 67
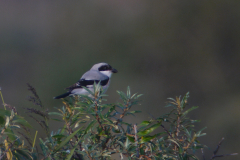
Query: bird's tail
pixel 62 95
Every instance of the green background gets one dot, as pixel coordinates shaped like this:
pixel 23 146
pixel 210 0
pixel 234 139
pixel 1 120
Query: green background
pixel 161 49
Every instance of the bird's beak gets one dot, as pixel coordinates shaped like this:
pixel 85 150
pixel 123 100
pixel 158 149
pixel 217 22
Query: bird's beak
pixel 114 70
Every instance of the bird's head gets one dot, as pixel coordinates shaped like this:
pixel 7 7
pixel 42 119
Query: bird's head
pixel 104 68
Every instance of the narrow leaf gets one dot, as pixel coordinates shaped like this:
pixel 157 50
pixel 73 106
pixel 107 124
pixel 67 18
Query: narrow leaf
pixel 149 130
pixel 190 109
pixel 65 141
pixel 145 123
pixel 55 113
pixel 146 138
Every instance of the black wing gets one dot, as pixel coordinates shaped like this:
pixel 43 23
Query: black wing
pixel 84 83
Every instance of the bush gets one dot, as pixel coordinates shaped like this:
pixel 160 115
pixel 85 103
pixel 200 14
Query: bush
pixel 95 130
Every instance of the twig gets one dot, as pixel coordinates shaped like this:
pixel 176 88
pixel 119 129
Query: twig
pixel 36 100
pixel 38 112
pixel 178 120
pixel 161 126
pixel 223 155
pixel 120 118
pixel 9 148
pixel 203 154
pixel 166 130
pixel 216 150
pixel 97 116
pixel 11 108
pixel 89 156
pixel 136 140
pixel 46 156
pixel 2 98
pixel 34 140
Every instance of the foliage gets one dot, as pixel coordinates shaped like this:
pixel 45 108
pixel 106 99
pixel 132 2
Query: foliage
pixel 93 129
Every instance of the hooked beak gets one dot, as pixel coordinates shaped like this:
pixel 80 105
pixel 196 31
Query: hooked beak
pixel 114 70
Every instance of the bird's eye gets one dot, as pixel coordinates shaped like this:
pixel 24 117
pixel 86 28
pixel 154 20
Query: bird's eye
pixel 104 68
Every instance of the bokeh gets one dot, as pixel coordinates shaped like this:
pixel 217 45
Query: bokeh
pixel 161 49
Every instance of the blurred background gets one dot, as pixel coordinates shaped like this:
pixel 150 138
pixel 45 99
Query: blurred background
pixel 161 49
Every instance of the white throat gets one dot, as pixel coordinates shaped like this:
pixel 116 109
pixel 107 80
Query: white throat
pixel 107 73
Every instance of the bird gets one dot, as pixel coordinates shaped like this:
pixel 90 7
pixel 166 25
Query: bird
pixel 100 72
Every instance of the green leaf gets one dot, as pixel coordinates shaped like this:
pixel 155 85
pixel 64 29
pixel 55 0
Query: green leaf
pixel 192 156
pixel 133 95
pixel 24 153
pixel 138 96
pixel 121 144
pixel 160 133
pixel 43 147
pixel 128 92
pixel 81 104
pixel 149 130
pixel 122 95
pixel 131 138
pixel 56 119
pixel 2 120
pixel 187 132
pixel 193 121
pixel 116 130
pixel 7 121
pixel 135 112
pixel 55 113
pixel 190 109
pixel 107 154
pixel 125 123
pixel 145 123
pixel 4 112
pixel 198 134
pixel 58 136
pixel 180 149
pixel 14 126
pixel 110 111
pixel 170 105
pixel 172 99
pixel 146 138
pixel 65 141
pixel 22 122
pixel 90 125
pixel 90 100
pixel 89 90
pixel 183 102
pixel 11 134
pixel 141 151
pixel 69 156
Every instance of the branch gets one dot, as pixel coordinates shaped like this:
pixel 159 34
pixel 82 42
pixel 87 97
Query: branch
pixel 216 150
pixel 224 155
pixel 136 140
pixel 203 154
pixel 161 126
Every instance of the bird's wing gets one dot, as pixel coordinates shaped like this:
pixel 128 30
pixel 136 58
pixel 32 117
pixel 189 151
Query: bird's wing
pixel 94 75
pixel 89 78
pixel 84 83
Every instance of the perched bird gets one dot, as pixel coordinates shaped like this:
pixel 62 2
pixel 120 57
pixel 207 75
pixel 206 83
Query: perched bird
pixel 100 72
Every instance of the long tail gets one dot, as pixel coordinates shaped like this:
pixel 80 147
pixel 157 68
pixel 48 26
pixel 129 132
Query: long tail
pixel 62 95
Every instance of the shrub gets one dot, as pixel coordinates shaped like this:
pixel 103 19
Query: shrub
pixel 93 129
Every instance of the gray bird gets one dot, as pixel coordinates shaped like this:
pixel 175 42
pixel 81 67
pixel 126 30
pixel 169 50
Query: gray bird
pixel 100 72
